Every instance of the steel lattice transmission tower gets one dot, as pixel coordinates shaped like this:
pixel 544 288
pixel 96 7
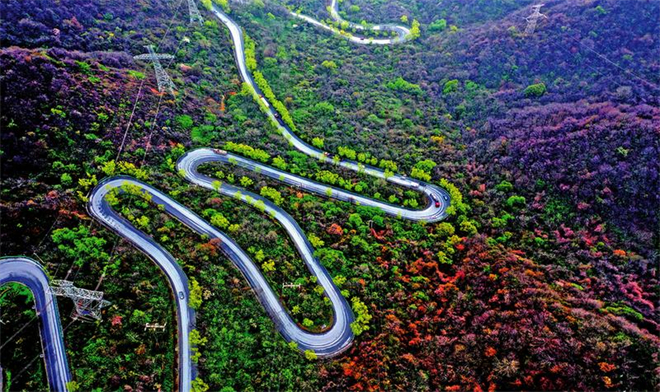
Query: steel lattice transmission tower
pixel 88 303
pixel 533 19
pixel 195 16
pixel 163 79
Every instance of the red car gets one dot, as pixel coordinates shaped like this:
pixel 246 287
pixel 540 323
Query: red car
pixel 435 199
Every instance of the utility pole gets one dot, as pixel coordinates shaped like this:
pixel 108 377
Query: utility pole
pixel 195 16
pixel 164 81
pixel 88 303
pixel 532 20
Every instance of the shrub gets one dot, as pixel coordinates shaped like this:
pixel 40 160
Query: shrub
pixel 400 84
pixel 184 121
pixel 535 90
pixel 438 25
pixel 450 86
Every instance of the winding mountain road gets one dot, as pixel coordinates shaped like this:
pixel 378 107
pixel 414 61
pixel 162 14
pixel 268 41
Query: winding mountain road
pixel 402 32
pixel 188 164
pixel 100 209
pixel 239 55
pixel 31 274
pixel 331 342
pixel 326 344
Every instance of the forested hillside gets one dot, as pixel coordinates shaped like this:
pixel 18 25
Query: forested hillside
pixel 543 277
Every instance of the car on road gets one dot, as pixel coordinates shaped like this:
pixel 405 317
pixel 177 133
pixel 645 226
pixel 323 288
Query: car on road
pixel 181 295
pixel 435 199
pixel 219 151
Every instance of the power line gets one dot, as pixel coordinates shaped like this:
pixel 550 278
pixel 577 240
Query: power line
pixel 169 25
pixel 603 57
pixel 153 126
pixel 130 119
pixel 40 355
pixel 37 313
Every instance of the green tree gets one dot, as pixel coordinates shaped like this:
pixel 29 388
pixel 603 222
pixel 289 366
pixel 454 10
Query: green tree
pixel 414 30
pixel 219 220
pixel 310 355
pixel 246 181
pixel 535 90
pixel 195 293
pixel 504 186
pixel 450 86
pixel 317 142
pixel 438 25
pixel 329 64
pixel 198 385
pixel 272 194
pixel 80 245
pixel 184 121
pixel 400 84
pixel 66 179
pixel 514 201
pixel 362 316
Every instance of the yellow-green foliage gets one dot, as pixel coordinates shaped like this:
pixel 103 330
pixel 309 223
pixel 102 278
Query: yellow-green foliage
pixel 197 385
pixel 388 165
pixel 111 168
pixel 421 174
pixel 414 29
pixel 270 96
pixel 250 57
pixel 457 205
pixel 196 341
pixel 362 316
pixel 223 3
pixel 268 266
pixel 248 151
pixel 195 293
pixel 310 355
pixel 272 194
pixel 347 152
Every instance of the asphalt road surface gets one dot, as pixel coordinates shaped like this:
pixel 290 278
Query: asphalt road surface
pixel 402 32
pixel 99 208
pixel 331 342
pixel 29 273
pixel 188 164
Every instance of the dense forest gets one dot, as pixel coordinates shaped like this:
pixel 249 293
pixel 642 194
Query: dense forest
pixel 544 276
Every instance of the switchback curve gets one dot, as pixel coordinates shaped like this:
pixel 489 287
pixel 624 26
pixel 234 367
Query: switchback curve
pixel 402 32
pixel 31 274
pixel 189 162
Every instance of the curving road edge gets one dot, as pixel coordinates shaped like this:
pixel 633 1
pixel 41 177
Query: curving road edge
pixel 31 274
pixel 331 342
pixel 239 55
pixel 402 32
pixel 189 162
pixel 100 209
